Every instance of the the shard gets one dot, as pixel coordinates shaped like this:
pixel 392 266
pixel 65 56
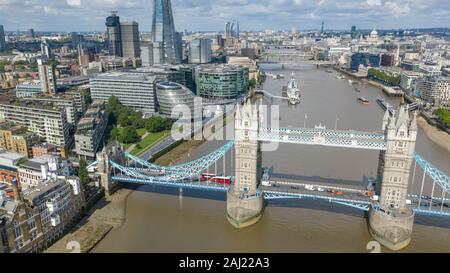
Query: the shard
pixel 164 37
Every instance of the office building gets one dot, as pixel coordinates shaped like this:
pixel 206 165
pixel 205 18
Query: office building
pixel 200 51
pixel 2 38
pixel 129 32
pixel 31 33
pixel 77 39
pixel 435 90
pixel 353 33
pixel 113 31
pixel 172 94
pixel 146 54
pixel 46 119
pixel 46 50
pixel 133 89
pixel 221 81
pixel 47 78
pixel 366 59
pixel 91 129
pixel 28 89
pixel 179 47
pixel 253 69
pixel 408 80
pixel 164 36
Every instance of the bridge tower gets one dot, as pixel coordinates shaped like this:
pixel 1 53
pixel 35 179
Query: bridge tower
pixel 391 219
pixel 115 152
pixel 245 198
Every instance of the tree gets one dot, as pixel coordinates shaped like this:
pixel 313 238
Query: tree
pixel 155 124
pixel 114 104
pixel 129 135
pixel 87 99
pixel 83 173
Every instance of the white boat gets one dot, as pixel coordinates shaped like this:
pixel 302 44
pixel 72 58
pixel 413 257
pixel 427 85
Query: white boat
pixel 320 126
pixel 293 92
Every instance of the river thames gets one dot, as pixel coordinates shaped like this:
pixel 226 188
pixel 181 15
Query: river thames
pixel 162 220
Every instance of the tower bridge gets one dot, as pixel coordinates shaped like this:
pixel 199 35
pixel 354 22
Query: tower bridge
pixel 390 217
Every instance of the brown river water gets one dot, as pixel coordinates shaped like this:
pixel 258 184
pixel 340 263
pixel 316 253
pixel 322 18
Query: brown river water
pixel 163 220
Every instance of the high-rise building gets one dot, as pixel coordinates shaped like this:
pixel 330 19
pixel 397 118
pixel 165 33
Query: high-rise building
pixel 114 35
pixel 179 46
pixel 129 32
pixel 76 39
pixel 163 33
pixel 323 23
pixel 232 30
pixel 200 51
pixel 353 32
pixel 47 78
pixel 147 53
pixel 228 30
pixel 2 38
pixel 31 33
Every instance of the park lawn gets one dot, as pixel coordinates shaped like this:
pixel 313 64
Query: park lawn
pixel 149 141
pixel 141 132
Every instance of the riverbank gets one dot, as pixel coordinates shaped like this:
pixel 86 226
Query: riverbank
pixel 108 214
pixel 440 138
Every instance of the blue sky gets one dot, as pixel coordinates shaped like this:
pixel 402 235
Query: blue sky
pixel 206 15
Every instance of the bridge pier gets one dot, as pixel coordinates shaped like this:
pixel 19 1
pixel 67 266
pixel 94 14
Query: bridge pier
pixel 245 199
pixel 391 230
pixel 244 211
pixel 391 218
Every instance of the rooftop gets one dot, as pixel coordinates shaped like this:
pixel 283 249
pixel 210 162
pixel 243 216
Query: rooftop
pixel 43 188
pixel 125 76
pixel 10 99
pixel 5 154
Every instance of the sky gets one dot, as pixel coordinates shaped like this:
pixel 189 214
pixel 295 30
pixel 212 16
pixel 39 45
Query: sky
pixel 211 15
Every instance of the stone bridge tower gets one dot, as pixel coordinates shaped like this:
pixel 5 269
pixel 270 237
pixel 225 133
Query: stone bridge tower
pixel 244 198
pixel 391 219
pixel 116 153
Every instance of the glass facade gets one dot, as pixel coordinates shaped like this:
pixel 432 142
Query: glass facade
pixel 221 81
pixel 163 33
pixel 114 35
pixel 170 94
pixel 366 59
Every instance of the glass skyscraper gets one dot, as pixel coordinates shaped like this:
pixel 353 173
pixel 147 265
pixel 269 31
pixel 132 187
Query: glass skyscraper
pixel 114 35
pixel 2 38
pixel 163 34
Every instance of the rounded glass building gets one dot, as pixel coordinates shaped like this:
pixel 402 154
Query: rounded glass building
pixel 170 94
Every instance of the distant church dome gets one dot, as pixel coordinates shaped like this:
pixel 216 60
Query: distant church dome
pixel 374 33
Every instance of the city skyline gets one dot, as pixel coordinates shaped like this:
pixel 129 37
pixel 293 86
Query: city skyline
pixel 285 14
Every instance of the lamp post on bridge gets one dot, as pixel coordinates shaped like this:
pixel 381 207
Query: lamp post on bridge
pixel 336 123
pixel 304 121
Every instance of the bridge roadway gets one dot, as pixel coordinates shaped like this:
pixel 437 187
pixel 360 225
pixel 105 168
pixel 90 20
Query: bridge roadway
pixel 426 205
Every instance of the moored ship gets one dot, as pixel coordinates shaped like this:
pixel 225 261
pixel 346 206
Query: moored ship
pixel 363 100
